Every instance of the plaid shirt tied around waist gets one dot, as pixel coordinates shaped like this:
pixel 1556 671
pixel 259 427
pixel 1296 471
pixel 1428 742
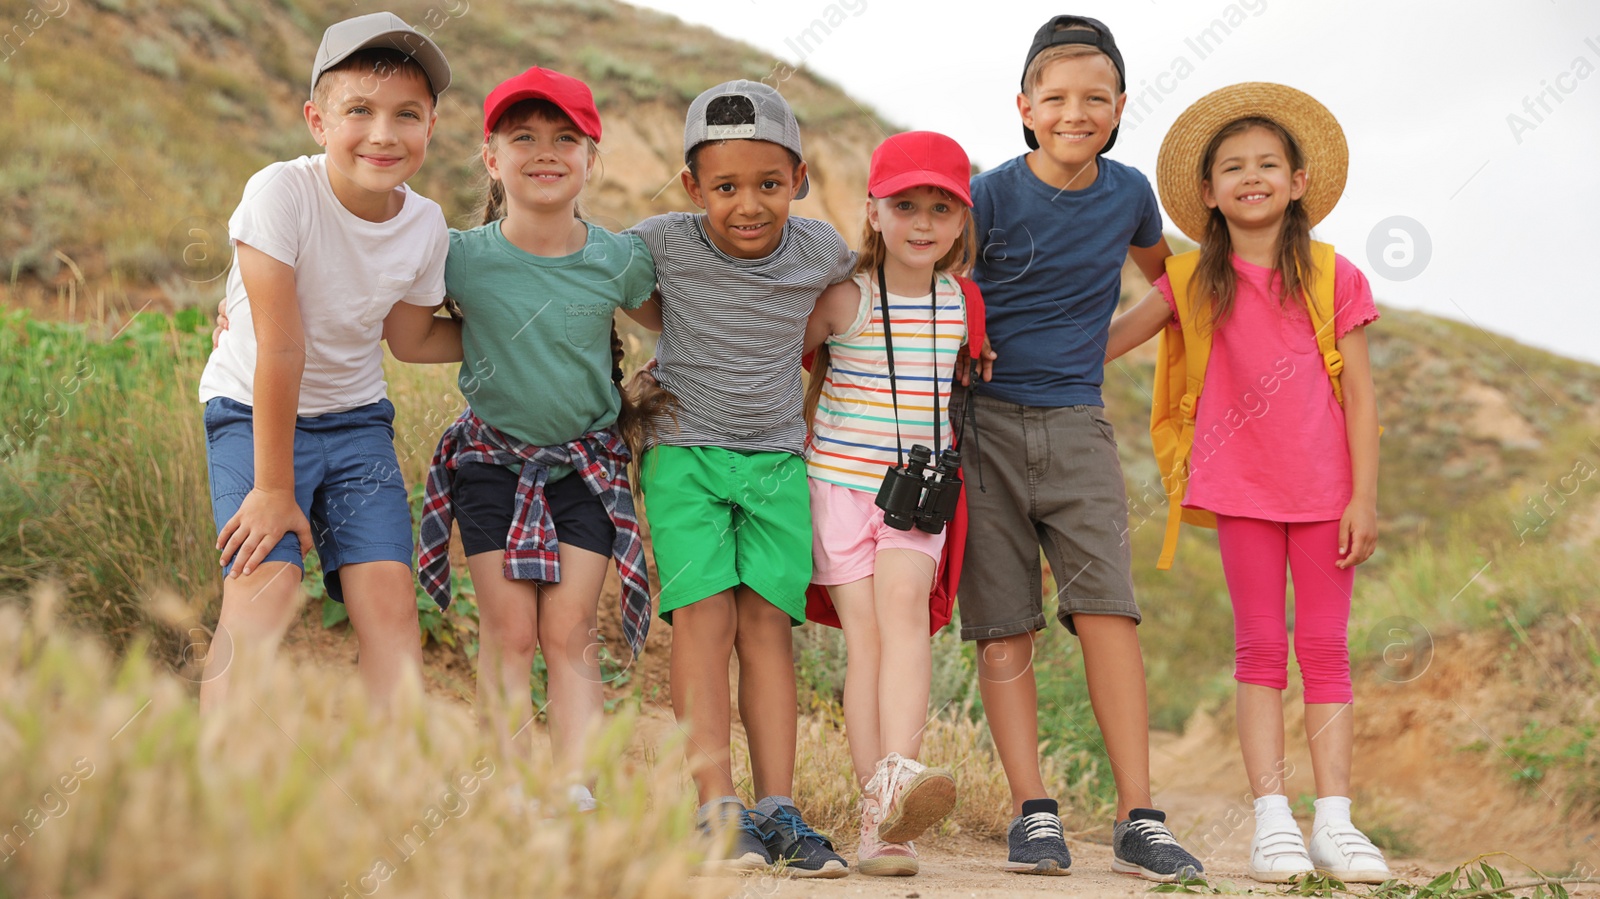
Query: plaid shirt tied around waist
pixel 599 457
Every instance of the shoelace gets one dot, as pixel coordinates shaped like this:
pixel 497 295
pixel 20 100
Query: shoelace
pixel 1154 831
pixel 871 804
pixel 794 822
pixel 901 770
pixel 749 826
pixel 1042 826
pixel 871 817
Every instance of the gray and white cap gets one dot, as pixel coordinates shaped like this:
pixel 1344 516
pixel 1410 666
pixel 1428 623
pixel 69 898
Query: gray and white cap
pixel 382 30
pixel 764 116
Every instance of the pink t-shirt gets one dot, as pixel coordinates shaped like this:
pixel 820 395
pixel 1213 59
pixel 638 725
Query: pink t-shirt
pixel 1269 436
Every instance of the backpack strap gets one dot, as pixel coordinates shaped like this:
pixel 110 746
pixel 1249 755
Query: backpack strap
pixel 973 298
pixel 1320 304
pixel 1184 382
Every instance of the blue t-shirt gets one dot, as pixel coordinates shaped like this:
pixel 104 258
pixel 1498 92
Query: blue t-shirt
pixel 1050 269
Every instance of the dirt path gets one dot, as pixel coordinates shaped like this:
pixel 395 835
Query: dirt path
pixel 1211 823
pixel 968 868
pixel 961 867
pixel 964 867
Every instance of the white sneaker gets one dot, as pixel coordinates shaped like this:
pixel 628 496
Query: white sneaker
pixel 1342 851
pixel 1278 853
pixel 582 800
pixel 578 796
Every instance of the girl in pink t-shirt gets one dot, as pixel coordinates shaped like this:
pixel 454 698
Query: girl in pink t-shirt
pixel 1291 475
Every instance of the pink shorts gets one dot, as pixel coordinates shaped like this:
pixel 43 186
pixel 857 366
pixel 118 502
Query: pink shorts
pixel 847 533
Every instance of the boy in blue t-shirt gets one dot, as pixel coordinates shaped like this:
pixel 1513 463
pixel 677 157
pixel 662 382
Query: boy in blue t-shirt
pixel 1055 225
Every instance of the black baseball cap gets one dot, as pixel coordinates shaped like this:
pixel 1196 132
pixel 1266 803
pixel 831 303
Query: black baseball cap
pixel 1099 38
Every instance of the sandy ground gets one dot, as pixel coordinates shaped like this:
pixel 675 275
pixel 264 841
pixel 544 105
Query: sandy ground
pixel 970 868
pixel 963 867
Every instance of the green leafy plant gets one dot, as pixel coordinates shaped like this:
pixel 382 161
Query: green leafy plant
pixel 1538 749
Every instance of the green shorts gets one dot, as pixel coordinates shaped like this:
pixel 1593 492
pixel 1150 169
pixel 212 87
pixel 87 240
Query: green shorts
pixel 720 518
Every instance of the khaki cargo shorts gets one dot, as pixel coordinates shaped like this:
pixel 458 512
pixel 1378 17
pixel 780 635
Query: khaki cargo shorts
pixel 1051 480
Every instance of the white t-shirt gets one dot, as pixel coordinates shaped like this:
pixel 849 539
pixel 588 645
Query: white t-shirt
pixel 349 273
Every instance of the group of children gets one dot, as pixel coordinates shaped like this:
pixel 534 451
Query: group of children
pixel 953 427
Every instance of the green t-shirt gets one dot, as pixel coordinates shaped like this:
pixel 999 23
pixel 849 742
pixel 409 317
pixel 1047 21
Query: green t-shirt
pixel 536 330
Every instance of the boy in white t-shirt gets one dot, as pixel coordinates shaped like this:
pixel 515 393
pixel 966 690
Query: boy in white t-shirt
pixel 332 253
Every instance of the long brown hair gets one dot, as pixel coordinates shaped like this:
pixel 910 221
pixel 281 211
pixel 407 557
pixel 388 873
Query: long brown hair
pixel 1214 277
pixel 957 260
pixel 631 421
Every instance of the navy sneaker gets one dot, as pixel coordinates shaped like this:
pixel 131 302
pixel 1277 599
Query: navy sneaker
pixel 1037 843
pixel 1144 846
pixel 795 847
pixel 745 851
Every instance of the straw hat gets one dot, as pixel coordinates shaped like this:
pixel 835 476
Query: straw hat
pixel 1313 126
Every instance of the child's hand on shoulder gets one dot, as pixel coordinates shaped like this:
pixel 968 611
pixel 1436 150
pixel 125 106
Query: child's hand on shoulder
pixel 222 322
pixel 1358 533
pixel 262 520
pixel 645 378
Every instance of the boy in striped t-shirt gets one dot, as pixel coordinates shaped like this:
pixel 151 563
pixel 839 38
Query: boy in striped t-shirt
pixel 724 482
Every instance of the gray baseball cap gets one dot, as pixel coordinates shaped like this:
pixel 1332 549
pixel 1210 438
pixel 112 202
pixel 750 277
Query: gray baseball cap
pixel 768 117
pixel 382 30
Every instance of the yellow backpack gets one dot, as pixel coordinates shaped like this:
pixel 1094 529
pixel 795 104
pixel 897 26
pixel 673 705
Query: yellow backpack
pixel 1181 374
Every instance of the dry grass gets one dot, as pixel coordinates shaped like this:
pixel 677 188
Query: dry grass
pixel 114 787
pixel 296 788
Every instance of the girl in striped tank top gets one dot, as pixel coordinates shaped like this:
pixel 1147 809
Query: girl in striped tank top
pixel 880 385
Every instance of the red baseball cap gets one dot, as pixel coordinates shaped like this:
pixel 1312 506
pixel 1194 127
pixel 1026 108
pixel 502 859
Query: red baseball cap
pixel 570 95
pixel 920 159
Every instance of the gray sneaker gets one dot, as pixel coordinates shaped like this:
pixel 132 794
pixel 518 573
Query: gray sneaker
pixel 795 847
pixel 1037 843
pixel 1144 846
pixel 740 850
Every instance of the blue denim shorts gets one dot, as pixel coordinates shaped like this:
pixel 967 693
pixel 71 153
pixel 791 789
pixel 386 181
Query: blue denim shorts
pixel 346 481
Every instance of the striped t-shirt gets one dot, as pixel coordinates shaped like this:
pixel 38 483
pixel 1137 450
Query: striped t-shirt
pixel 732 330
pixel 854 433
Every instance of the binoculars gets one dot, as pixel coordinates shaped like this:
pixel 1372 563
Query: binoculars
pixel 914 496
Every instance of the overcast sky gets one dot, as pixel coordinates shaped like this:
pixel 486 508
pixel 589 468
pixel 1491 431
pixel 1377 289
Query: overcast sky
pixel 1477 122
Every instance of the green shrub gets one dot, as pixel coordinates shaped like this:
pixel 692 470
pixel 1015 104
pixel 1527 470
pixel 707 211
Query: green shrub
pixel 103 465
pixel 153 56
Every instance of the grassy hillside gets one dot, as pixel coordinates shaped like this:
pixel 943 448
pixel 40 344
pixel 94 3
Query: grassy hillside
pixel 132 125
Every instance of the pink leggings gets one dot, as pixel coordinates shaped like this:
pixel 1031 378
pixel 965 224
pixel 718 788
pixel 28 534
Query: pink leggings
pixel 1255 554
